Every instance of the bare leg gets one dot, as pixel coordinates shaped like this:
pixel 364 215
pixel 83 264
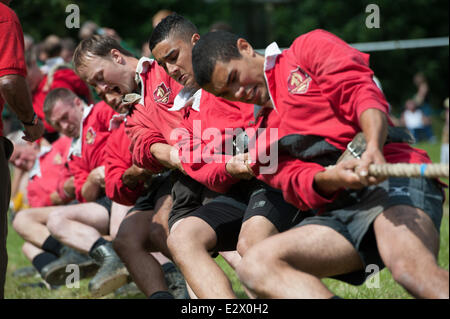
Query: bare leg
pixel 140 233
pixel 30 224
pixel 79 226
pixel 118 213
pixel 30 251
pixel 253 231
pixel 290 264
pixel 189 242
pixel 409 244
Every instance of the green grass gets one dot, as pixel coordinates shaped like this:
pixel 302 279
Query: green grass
pixel 388 288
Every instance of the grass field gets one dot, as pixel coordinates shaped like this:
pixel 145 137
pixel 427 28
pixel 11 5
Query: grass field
pixel 388 289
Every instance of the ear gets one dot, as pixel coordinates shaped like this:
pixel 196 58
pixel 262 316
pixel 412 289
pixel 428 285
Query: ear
pixel 244 47
pixel 195 38
pixel 77 102
pixel 116 56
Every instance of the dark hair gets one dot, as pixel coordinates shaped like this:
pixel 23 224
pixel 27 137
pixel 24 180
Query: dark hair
pixel 96 45
pixel 172 24
pixel 52 46
pixel 54 96
pixel 211 48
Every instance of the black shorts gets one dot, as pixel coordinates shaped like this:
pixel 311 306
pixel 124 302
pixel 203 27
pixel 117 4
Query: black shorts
pixel 355 220
pixel 161 186
pixel 188 195
pixel 263 200
pixel 105 202
pixel 226 213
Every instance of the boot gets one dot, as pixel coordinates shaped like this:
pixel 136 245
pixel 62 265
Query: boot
pixel 175 281
pixel 112 273
pixel 55 272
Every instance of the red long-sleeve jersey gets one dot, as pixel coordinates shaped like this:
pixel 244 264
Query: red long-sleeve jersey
pixel 207 142
pixel 47 172
pixel 88 152
pixel 117 161
pixel 320 86
pixel 150 121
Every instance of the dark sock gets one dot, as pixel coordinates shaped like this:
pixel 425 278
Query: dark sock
pixel 161 295
pixel 52 245
pixel 98 242
pixel 168 267
pixel 43 259
pixel 336 297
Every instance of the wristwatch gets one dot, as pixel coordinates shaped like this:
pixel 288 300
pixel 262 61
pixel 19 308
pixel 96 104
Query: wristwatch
pixel 33 121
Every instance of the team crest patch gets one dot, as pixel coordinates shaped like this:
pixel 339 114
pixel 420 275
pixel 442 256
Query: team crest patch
pixel 162 93
pixel 298 81
pixel 57 160
pixel 90 136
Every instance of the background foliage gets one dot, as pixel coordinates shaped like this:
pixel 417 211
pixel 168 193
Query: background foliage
pixel 264 21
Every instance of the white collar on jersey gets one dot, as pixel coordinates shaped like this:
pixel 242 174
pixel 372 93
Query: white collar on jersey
pixel 270 58
pixel 143 64
pixel 270 55
pixel 186 97
pixel 75 147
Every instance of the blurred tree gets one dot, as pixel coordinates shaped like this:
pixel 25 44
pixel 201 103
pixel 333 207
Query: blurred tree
pixel 264 21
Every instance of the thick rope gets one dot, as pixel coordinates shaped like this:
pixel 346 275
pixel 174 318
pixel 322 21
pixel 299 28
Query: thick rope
pixel 408 170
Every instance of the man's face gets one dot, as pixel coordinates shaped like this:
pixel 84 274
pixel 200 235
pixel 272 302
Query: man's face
pixel 111 79
pixel 24 156
pixel 240 79
pixel 174 54
pixel 66 117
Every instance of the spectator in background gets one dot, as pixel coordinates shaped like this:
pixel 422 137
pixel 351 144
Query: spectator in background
pixel 68 48
pixel 161 14
pixel 40 84
pixel 51 48
pixel 444 147
pixel 415 120
pixel 422 99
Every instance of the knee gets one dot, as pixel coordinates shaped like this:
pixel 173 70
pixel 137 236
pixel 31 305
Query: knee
pixel 20 222
pixel 243 245
pixel 126 236
pixel 180 242
pixel 55 222
pixel 251 270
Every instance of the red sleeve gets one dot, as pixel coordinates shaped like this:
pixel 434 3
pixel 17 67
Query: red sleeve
pixel 37 196
pixel 12 59
pixel 295 179
pixel 64 176
pixel 194 154
pixel 80 172
pixel 117 161
pixel 342 73
pixel 143 134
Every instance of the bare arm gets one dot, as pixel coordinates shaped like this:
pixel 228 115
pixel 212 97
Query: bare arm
pixel 94 184
pixel 167 155
pixel 15 91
